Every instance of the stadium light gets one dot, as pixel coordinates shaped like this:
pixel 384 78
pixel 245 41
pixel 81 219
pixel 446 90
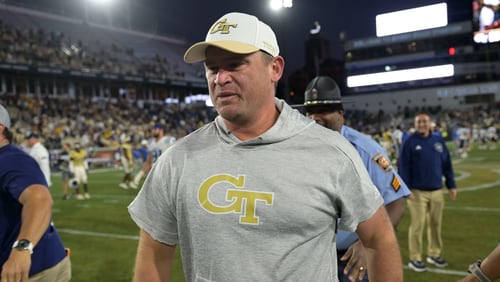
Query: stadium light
pixel 401 75
pixel 102 3
pixel 279 4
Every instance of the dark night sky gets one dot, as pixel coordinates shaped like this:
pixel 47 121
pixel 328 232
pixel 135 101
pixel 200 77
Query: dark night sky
pixel 191 19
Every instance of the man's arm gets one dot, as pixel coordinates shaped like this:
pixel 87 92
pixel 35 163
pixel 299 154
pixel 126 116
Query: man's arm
pixel 37 212
pixel 356 252
pixel 154 260
pixel 395 210
pixel 36 215
pixel 382 250
pixel 148 163
pixel 489 267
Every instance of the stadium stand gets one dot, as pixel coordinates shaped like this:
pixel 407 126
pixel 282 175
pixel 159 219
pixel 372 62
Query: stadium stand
pixel 95 110
pixel 102 46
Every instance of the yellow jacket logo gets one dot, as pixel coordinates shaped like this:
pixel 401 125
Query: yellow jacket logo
pixel 222 26
pixel 241 201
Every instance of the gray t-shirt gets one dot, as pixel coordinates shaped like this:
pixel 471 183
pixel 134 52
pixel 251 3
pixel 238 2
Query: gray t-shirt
pixel 264 209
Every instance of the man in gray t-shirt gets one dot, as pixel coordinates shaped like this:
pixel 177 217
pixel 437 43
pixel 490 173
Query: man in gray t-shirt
pixel 249 196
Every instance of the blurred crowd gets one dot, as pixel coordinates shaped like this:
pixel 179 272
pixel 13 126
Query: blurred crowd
pixel 43 48
pixel 98 122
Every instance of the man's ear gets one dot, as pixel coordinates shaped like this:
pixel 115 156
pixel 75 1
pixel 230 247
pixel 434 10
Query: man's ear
pixel 278 66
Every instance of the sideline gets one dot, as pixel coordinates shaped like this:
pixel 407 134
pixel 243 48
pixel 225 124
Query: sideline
pixel 442 271
pixel 136 238
pixel 477 187
pixel 97 234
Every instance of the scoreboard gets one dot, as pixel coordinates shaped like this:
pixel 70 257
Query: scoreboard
pixel 454 53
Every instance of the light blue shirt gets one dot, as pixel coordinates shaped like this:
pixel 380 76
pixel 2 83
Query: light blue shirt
pixel 382 173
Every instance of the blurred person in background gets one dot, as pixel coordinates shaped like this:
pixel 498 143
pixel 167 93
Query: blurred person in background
pixel 65 169
pixel 38 151
pixel 492 137
pixel 397 140
pixel 143 152
pixel 323 104
pixel 127 160
pixel 157 145
pixel 423 162
pixel 78 168
pixel 487 19
pixel 30 246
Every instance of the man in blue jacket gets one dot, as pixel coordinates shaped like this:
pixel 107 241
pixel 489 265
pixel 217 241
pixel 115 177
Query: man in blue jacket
pixel 323 104
pixel 424 160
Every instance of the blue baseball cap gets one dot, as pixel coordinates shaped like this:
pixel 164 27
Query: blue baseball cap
pixel 30 134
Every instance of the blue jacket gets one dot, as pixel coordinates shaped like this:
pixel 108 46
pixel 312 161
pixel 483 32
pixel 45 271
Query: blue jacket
pixel 424 161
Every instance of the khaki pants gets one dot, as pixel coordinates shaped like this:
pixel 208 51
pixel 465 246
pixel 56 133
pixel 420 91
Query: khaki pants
pixel 426 206
pixel 60 272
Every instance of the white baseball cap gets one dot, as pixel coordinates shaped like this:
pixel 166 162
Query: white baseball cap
pixel 237 33
pixel 491 2
pixel 4 117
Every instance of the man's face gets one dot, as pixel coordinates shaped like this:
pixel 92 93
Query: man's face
pixel 31 141
pixel 241 87
pixel 156 132
pixel 330 119
pixel 423 124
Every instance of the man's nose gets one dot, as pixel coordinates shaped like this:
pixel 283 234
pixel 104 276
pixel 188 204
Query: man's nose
pixel 222 76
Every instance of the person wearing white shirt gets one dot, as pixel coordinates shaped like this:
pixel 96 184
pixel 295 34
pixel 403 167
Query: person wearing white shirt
pixel 36 150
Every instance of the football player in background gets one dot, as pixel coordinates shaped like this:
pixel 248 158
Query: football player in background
pixel 64 168
pixel 127 161
pixel 156 147
pixel 78 167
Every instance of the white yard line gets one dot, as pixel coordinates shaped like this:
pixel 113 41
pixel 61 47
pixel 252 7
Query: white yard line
pixel 97 234
pixel 443 271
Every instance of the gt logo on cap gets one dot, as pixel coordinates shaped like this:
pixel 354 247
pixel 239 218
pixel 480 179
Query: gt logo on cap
pixel 222 27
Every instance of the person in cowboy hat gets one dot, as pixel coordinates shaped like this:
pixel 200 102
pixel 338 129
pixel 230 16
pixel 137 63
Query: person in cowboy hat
pixel 323 103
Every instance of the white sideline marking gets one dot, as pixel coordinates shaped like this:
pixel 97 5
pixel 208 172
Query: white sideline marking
pixel 461 175
pixel 443 271
pixel 477 187
pixel 479 209
pixel 97 234
pixel 131 237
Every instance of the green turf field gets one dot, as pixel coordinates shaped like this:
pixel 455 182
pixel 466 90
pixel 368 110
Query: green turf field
pixel 103 238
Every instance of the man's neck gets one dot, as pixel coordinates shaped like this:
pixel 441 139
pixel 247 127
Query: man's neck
pixel 255 128
pixel 3 142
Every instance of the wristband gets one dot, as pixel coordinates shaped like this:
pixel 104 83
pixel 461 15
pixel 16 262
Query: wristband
pixel 477 272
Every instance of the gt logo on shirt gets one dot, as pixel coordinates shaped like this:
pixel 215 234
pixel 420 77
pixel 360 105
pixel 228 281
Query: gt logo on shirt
pixel 239 200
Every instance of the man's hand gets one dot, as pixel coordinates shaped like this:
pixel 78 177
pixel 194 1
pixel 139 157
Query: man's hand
pixel 356 266
pixel 453 193
pixel 17 266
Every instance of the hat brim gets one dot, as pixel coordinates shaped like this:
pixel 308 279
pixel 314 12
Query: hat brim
pixel 196 53
pixel 317 103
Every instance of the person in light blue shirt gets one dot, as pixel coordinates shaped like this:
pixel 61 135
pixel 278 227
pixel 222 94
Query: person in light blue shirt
pixel 324 105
